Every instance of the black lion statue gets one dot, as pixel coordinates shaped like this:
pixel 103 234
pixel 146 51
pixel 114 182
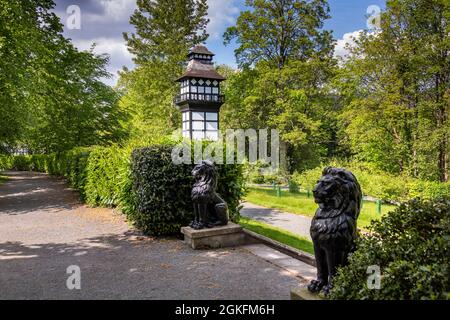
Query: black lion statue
pixel 333 228
pixel 210 209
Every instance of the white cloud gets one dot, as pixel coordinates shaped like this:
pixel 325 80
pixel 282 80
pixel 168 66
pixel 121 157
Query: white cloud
pixel 347 40
pixel 113 11
pixel 222 14
pixel 110 46
pixel 119 9
pixel 115 48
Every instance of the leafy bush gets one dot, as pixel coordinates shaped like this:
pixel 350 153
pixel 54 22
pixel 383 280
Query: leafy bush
pixel 38 162
pixel 5 162
pixel 293 186
pixel 107 174
pixel 163 190
pixel 73 165
pixel 260 173
pixel 21 163
pixel 379 184
pixel 412 248
pixel 427 189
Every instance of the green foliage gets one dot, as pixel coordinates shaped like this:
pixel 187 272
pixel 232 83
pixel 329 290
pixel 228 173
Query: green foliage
pixel 107 177
pixel 284 80
pixel 21 163
pixel 293 186
pixel 427 189
pixel 379 184
pixel 394 89
pixel 412 248
pixel 100 174
pixel 51 95
pixel 260 173
pixel 25 29
pixel 163 190
pixel 231 187
pixel 38 162
pixel 291 29
pixel 73 165
pixel 5 162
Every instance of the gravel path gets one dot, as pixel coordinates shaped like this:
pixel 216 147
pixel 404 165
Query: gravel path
pixel 44 230
pixel 294 223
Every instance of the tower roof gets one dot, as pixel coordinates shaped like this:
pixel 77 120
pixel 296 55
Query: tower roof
pixel 201 49
pixel 198 68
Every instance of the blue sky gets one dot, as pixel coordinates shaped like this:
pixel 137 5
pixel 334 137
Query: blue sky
pixel 103 21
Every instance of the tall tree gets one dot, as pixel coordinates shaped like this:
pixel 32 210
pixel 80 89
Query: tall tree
pixel 22 43
pixel 281 30
pixel 165 30
pixel 51 97
pixel 287 60
pixel 397 90
pixel 72 106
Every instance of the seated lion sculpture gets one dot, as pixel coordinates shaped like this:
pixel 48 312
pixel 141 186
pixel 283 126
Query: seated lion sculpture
pixel 333 228
pixel 210 209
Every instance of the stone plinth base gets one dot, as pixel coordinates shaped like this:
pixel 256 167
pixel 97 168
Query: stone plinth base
pixel 226 236
pixel 303 293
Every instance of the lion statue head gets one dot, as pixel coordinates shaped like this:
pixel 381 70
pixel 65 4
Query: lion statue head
pixel 210 210
pixel 337 192
pixel 205 176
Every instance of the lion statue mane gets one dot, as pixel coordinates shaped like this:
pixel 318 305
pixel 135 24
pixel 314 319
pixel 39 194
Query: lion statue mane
pixel 333 228
pixel 210 209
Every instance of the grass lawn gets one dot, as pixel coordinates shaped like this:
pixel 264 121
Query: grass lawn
pixel 302 205
pixel 277 234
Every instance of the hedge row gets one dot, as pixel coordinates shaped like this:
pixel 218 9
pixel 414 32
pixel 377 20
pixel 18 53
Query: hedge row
pixel 380 185
pixel 153 192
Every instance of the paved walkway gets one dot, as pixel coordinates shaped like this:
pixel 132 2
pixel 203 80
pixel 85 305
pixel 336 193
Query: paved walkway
pixel 44 230
pixel 294 223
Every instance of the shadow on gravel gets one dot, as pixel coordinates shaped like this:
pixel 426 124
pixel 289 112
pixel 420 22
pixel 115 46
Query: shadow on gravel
pixel 25 192
pixel 129 266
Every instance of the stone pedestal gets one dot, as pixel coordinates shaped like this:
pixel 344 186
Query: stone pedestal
pixel 303 293
pixel 226 236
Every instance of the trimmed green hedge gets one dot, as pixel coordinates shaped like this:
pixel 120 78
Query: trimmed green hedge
pixel 411 246
pixel 163 190
pixel 153 192
pixel 107 176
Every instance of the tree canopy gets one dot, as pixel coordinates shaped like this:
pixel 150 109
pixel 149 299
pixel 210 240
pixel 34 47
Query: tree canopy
pixel 387 105
pixel 287 61
pixel 395 90
pixel 51 95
